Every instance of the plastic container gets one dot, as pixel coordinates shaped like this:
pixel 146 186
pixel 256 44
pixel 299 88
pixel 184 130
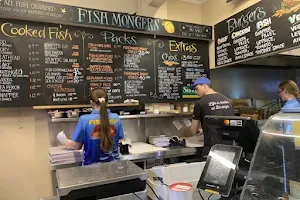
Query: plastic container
pixel 178 107
pixel 181 191
pixel 155 109
pixel 191 108
pixel 172 107
pixel 185 108
pixel 73 113
pixel 56 114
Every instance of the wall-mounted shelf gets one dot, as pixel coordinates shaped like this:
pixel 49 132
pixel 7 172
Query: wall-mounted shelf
pixel 64 120
pixel 80 106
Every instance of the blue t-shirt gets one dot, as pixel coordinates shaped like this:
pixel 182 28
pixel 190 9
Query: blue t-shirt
pixel 292 104
pixel 88 133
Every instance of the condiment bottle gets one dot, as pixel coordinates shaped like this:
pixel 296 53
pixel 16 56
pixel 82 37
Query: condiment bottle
pixel 178 107
pixel 191 108
pixel 185 108
pixel 155 109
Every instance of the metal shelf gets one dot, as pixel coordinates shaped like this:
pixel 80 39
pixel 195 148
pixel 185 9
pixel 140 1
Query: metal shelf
pixel 63 120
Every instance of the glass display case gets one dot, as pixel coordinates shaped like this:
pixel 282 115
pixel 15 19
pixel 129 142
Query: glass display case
pixel 275 167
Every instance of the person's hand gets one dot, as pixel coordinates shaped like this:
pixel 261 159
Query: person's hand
pixel 199 136
pixel 200 132
pixel 62 138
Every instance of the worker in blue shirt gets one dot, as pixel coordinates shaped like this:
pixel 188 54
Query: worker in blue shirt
pixel 289 92
pixel 99 132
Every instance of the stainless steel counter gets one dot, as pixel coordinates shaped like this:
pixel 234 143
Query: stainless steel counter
pixel 76 178
pixel 196 196
pixel 142 195
pixel 170 153
pixel 63 120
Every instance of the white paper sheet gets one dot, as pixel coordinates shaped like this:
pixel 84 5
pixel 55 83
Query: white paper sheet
pixel 187 122
pixel 177 124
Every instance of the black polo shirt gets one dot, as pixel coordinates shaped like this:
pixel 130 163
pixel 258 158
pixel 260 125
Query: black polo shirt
pixel 211 104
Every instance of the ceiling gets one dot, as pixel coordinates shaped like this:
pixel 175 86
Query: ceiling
pixel 195 1
pixel 158 3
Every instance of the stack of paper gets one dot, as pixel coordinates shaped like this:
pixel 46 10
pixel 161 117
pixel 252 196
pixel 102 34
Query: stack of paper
pixel 140 147
pixel 61 155
pixel 195 141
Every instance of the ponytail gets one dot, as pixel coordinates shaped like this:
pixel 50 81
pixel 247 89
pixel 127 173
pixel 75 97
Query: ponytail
pixel 298 96
pixel 100 98
pixel 107 141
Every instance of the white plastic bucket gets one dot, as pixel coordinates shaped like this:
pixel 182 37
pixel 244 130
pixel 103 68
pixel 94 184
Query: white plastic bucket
pixel 181 191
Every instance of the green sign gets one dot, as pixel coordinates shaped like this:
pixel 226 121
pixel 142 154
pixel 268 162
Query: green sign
pixel 188 93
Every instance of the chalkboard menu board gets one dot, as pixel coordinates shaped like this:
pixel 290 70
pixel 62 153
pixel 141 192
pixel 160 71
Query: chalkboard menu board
pixel 179 62
pixel 266 28
pixel 48 64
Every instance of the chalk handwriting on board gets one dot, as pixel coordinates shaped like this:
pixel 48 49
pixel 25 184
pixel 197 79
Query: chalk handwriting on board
pixel 243 21
pixel 125 39
pixel 118 20
pixel 175 46
pixel 52 33
pixel 169 59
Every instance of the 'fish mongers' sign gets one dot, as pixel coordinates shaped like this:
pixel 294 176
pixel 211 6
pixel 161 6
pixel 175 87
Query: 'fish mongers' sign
pixel 72 15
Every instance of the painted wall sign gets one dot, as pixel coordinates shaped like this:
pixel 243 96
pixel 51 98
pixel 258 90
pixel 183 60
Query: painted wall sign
pixel 70 15
pixel 266 28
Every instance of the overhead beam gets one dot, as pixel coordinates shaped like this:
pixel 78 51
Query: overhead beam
pixel 157 3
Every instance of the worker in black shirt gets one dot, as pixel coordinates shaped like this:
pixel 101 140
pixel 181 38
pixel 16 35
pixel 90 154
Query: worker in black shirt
pixel 210 103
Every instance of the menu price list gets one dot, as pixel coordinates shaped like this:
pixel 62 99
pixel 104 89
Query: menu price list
pixel 13 78
pixel 179 64
pixel 63 73
pixel 34 63
pixel 99 66
pixel 46 65
pixel 102 71
pixel 262 29
pixel 193 67
pixel 62 64
pixel 136 73
pixel 169 76
pixel 247 43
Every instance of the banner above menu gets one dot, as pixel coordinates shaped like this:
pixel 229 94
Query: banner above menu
pixel 70 15
pixel 266 28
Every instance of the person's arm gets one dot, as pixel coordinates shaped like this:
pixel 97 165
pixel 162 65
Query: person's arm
pixel 196 125
pixel 77 138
